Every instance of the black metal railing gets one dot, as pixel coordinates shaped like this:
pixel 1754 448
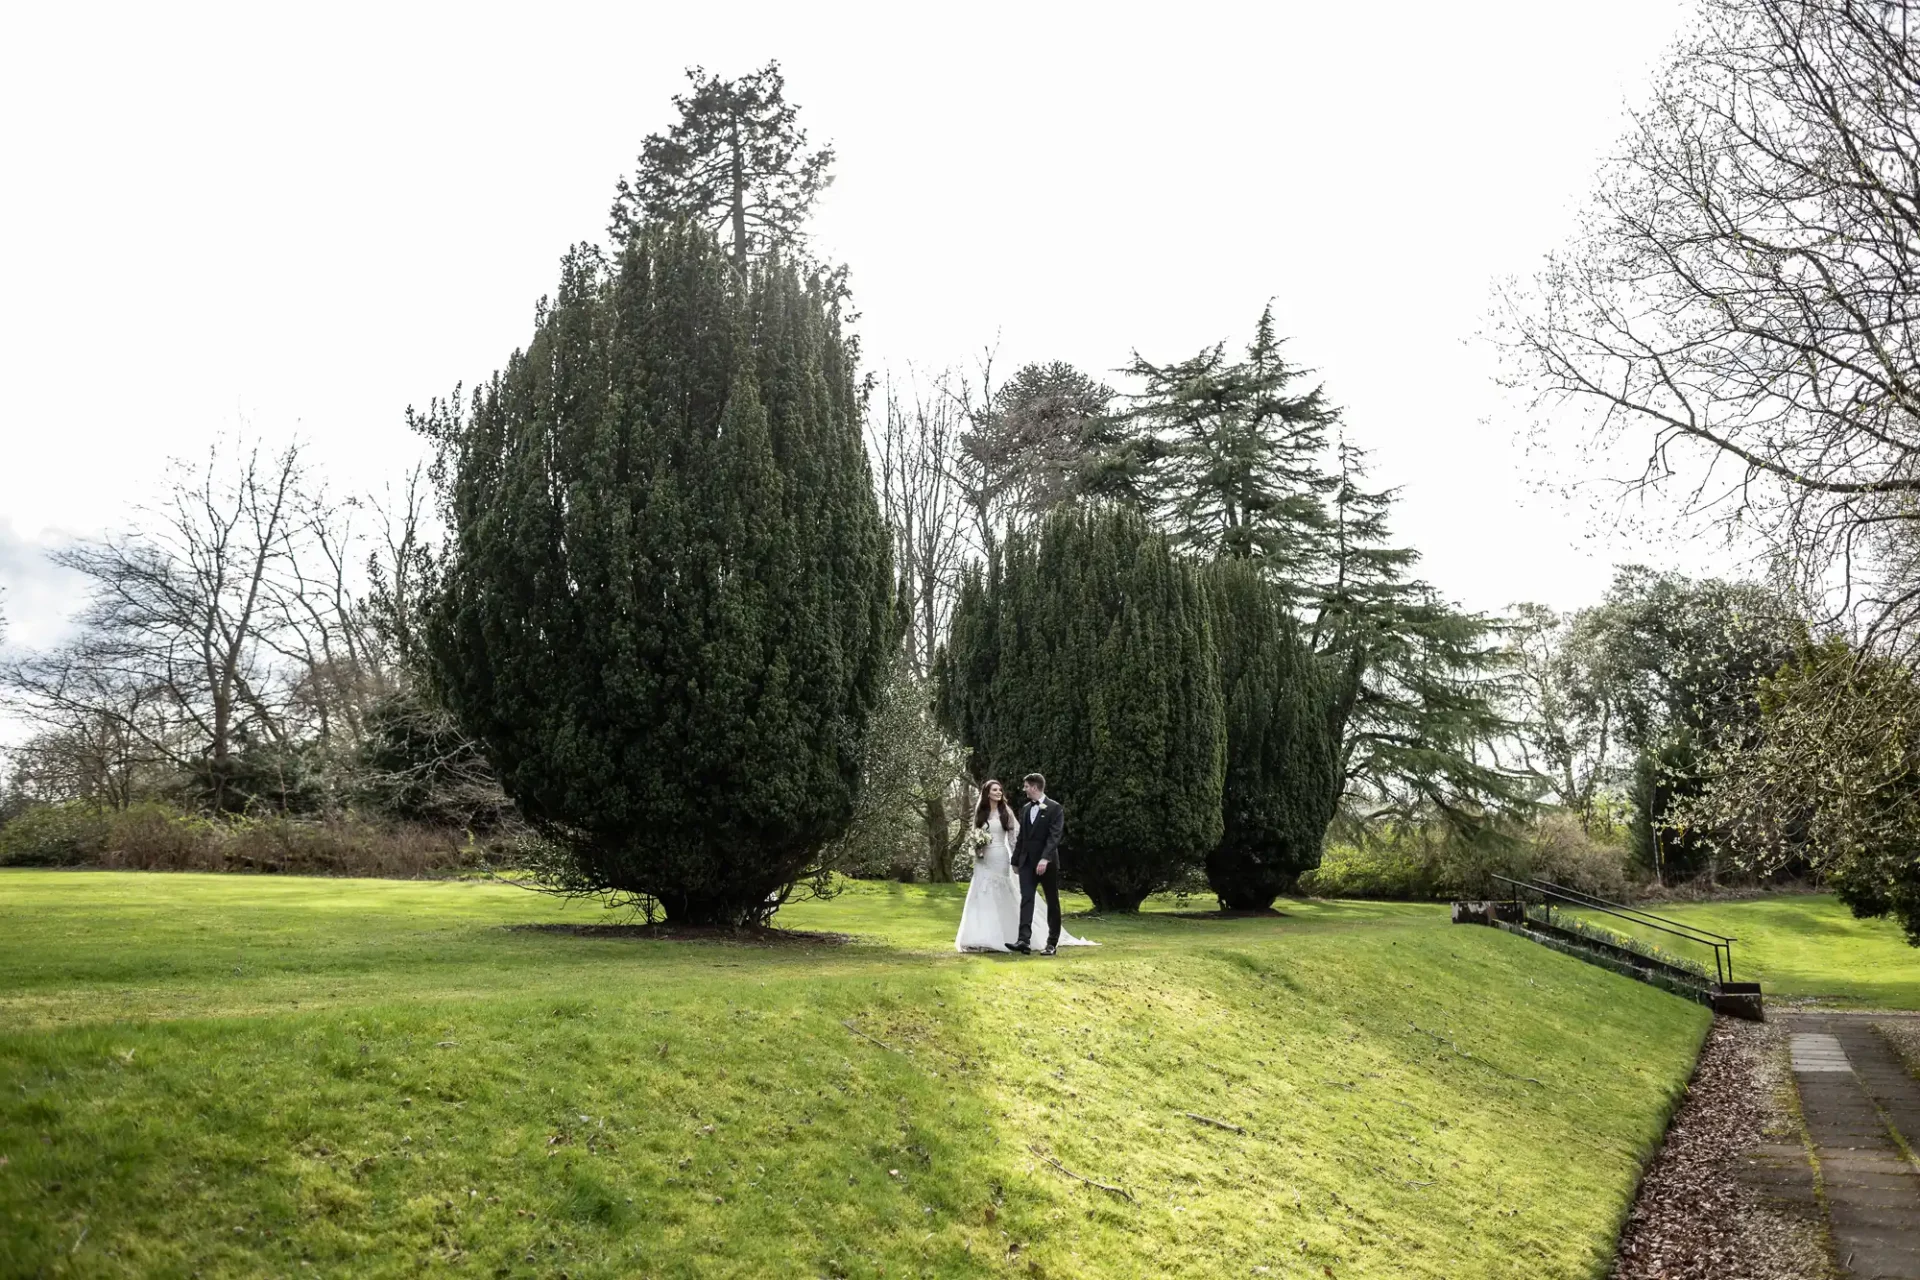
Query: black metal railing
pixel 1550 893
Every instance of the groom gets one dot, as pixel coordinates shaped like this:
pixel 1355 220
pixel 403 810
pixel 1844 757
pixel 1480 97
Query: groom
pixel 1036 859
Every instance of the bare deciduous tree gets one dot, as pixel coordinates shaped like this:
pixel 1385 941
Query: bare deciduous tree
pixel 87 749
pixel 179 612
pixel 315 621
pixel 345 606
pixel 983 465
pixel 251 638
pixel 914 445
pixel 401 573
pixel 232 616
pixel 1743 299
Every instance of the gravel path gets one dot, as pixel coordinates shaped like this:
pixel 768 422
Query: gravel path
pixel 1730 1196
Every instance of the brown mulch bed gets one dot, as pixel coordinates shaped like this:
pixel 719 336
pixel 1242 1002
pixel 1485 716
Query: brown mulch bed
pixel 1694 1218
pixel 754 937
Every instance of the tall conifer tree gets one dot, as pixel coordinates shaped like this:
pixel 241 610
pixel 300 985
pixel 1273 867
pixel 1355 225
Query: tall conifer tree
pixel 1421 684
pixel 1240 452
pixel 1283 771
pixel 1085 651
pixel 1247 471
pixel 737 162
pixel 666 611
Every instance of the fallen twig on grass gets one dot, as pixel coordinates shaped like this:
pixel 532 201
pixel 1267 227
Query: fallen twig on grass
pixel 864 1036
pixel 1077 1177
pixel 959 1061
pixel 1434 1035
pixel 1218 1124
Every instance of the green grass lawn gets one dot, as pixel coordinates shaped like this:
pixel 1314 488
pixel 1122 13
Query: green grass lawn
pixel 240 1076
pixel 1808 946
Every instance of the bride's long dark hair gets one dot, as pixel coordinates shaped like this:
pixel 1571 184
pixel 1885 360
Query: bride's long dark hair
pixel 986 806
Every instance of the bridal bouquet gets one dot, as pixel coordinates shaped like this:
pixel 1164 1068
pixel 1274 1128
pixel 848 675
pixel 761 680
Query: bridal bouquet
pixel 981 838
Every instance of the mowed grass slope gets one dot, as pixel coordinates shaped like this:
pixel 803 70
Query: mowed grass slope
pixel 250 1076
pixel 1808 947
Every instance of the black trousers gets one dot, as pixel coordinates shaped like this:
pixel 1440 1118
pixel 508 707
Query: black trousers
pixel 1048 883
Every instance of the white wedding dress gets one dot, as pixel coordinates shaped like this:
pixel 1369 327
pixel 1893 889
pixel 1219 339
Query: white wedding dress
pixel 990 921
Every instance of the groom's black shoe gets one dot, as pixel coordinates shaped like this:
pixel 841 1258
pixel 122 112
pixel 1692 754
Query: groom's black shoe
pixel 1020 948
pixel 1047 952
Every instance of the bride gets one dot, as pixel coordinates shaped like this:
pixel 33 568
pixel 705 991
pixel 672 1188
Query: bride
pixel 990 921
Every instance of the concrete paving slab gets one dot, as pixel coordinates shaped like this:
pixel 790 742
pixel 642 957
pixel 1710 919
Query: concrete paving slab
pixel 1862 1111
pixel 1817 1051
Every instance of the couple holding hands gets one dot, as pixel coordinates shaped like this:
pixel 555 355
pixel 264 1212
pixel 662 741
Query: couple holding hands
pixel 1017 859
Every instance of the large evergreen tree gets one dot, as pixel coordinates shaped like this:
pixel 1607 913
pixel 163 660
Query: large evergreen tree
pixel 665 610
pixel 1282 776
pixel 737 162
pixel 1247 470
pixel 1422 685
pixel 1085 651
pixel 1240 450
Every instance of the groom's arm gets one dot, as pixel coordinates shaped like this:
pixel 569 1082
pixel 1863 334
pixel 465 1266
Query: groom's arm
pixel 1056 823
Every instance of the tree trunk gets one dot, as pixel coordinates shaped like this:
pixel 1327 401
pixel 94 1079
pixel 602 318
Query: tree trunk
pixel 218 757
pixel 739 208
pixel 1112 901
pixel 933 813
pixel 983 521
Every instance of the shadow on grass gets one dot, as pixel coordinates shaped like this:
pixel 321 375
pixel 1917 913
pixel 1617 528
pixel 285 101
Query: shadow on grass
pixel 662 932
pixel 1264 913
pixel 766 1123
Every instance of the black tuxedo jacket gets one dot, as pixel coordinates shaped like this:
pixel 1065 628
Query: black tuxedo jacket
pixel 1040 839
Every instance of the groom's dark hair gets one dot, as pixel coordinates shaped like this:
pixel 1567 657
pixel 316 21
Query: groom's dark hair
pixel 1036 780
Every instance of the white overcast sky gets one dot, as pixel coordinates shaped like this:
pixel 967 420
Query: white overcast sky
pixel 305 218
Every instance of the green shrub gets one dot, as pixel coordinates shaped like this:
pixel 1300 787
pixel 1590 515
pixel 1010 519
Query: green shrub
pixel 151 836
pixel 55 835
pixel 1560 850
pixel 1373 868
pixel 1415 864
pixel 1421 864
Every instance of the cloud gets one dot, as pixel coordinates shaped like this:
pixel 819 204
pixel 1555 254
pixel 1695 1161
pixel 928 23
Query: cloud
pixel 38 600
pixel 40 597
